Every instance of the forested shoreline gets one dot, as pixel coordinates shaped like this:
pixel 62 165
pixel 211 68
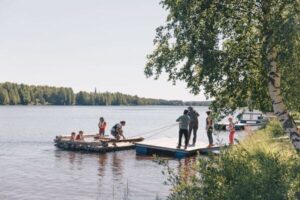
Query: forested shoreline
pixel 21 94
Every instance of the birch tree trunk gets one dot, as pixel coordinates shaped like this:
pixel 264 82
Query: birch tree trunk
pixel 279 108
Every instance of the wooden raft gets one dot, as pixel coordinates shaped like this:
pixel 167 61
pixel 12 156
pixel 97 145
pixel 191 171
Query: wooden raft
pixel 91 144
pixel 167 146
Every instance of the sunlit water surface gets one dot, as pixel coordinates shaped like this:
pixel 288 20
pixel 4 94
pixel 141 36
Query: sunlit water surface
pixel 33 168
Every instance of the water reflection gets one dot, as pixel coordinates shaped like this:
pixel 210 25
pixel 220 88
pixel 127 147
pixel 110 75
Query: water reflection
pixel 87 176
pixel 72 157
pixel 117 168
pixel 75 159
pixel 102 164
pixel 186 168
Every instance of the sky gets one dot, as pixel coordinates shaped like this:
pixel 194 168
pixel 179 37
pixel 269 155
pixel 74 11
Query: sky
pixel 84 44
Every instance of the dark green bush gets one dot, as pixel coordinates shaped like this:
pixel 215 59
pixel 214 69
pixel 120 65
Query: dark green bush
pixel 260 168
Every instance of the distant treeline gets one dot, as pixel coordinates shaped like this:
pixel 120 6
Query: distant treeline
pixel 20 94
pixel 197 103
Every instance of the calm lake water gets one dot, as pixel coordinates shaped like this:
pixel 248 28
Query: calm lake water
pixel 33 168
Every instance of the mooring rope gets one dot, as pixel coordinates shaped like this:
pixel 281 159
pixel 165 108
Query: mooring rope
pixel 161 131
pixel 156 131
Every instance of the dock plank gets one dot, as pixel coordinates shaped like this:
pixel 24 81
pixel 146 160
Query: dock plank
pixel 169 146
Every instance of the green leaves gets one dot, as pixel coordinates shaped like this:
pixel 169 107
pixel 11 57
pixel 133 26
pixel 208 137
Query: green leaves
pixel 221 46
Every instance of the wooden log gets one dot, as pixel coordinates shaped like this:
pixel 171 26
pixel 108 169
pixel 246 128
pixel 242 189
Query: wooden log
pixel 101 146
pixel 110 140
pixel 93 148
pixel 105 139
pixel 69 136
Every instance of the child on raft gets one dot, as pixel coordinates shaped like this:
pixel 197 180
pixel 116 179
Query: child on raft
pixel 80 136
pixel 73 136
pixel 102 126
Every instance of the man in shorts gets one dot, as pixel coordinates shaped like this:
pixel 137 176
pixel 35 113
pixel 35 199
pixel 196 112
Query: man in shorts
pixel 117 130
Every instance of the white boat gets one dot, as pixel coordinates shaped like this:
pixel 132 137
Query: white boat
pixel 243 119
pixel 252 118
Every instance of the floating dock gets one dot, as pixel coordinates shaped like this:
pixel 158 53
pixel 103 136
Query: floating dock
pixel 167 147
pixel 95 145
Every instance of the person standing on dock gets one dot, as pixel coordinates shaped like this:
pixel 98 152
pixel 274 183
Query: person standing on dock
pixel 117 130
pixel 183 128
pixel 193 125
pixel 231 131
pixel 102 126
pixel 209 129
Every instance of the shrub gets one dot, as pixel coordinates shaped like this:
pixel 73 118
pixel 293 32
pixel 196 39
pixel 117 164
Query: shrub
pixel 274 129
pixel 260 168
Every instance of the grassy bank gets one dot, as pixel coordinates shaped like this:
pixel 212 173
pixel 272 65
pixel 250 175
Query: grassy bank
pixel 262 167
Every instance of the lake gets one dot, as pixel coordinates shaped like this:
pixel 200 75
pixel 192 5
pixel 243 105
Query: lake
pixel 33 168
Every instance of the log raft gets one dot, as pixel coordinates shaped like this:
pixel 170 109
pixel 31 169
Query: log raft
pixel 92 143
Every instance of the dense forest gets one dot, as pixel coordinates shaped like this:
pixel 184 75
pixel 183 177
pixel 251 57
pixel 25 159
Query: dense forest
pixel 20 94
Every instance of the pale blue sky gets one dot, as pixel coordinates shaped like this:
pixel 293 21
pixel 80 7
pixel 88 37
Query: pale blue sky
pixel 83 44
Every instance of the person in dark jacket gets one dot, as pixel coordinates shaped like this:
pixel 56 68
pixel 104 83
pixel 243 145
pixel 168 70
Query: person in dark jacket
pixel 117 130
pixel 193 125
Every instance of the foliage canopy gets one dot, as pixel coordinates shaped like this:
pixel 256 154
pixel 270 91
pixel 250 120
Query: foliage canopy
pixel 222 47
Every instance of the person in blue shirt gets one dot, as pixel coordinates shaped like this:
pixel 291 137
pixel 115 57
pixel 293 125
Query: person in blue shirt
pixel 184 121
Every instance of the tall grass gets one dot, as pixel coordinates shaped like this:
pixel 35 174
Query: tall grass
pixel 259 168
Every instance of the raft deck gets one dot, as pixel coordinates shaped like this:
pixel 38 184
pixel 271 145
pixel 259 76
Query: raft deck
pixel 167 147
pixel 97 146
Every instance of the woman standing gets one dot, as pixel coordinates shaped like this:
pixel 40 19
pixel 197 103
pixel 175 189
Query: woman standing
pixel 209 129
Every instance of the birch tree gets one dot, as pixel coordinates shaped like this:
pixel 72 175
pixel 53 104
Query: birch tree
pixel 239 52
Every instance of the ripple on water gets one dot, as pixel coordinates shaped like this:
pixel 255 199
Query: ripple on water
pixel 32 168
